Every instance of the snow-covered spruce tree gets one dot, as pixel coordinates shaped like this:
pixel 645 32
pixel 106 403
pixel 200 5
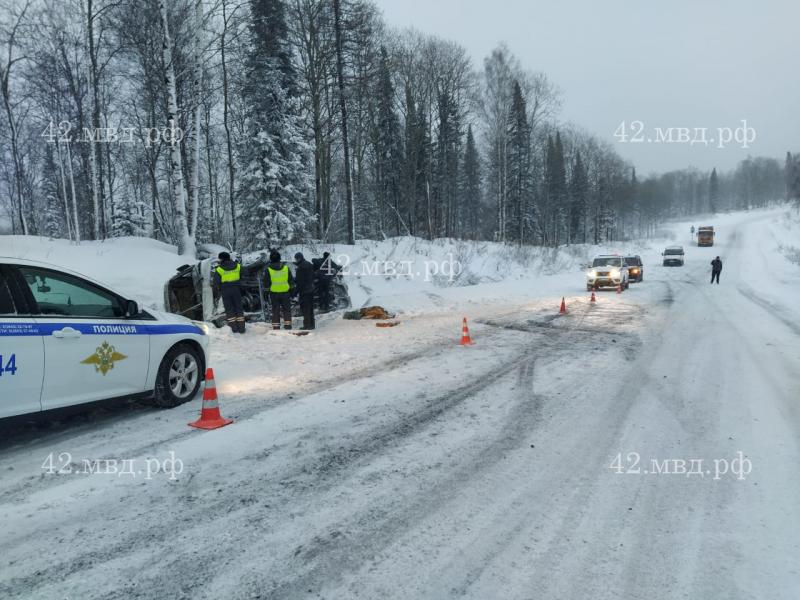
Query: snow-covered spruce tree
pixel 578 201
pixel 554 188
pixel 518 160
pixel 275 179
pixel 470 189
pixel 130 217
pixel 445 211
pixel 389 157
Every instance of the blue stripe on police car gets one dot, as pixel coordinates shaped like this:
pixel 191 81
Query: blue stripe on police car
pixel 33 329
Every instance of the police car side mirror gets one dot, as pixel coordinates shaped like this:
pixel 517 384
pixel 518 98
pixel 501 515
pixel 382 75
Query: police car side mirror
pixel 131 308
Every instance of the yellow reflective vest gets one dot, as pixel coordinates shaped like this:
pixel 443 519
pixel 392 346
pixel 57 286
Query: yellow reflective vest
pixel 231 276
pixel 279 280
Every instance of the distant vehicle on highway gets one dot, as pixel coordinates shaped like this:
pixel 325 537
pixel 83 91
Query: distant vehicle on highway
pixel 67 340
pixel 635 268
pixel 705 236
pixel 673 256
pixel 607 270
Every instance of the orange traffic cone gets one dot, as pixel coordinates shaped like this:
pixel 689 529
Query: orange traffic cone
pixel 563 308
pixel 209 415
pixel 465 339
pixel 593 298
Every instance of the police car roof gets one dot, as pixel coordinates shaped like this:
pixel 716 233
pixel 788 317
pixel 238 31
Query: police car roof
pixel 11 260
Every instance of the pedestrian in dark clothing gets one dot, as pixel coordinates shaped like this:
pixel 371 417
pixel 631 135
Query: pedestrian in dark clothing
pixel 280 283
pixel 225 278
pixel 325 273
pixel 716 269
pixel 304 278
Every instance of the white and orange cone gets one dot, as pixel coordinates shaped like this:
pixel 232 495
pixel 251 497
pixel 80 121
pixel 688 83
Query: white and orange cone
pixel 465 339
pixel 210 418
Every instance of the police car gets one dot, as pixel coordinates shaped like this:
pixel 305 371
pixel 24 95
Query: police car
pixel 67 340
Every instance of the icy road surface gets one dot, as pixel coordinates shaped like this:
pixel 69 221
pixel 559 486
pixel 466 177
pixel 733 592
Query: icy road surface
pixel 393 463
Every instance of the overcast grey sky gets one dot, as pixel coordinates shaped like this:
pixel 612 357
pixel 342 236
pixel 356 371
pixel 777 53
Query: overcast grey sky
pixel 682 63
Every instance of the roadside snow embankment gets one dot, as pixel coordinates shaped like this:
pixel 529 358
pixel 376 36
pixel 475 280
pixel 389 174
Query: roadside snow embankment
pixel 135 267
pixel 410 275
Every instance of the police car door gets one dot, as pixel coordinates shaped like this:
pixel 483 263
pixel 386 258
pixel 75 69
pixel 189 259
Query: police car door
pixel 92 351
pixel 21 351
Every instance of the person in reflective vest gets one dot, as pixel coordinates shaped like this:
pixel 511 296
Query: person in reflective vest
pixel 226 279
pixel 280 284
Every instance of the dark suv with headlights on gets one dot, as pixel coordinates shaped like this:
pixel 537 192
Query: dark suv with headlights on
pixel 635 268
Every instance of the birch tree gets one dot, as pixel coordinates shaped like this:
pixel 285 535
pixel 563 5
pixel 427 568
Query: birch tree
pixel 197 76
pixel 186 241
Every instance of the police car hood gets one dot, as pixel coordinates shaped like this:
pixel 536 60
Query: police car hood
pixel 166 317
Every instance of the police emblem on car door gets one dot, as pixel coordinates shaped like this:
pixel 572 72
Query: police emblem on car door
pixel 104 358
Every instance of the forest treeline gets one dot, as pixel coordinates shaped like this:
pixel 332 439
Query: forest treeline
pixel 253 123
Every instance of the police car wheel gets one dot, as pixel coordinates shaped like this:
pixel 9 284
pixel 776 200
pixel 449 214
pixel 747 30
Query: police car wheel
pixel 178 376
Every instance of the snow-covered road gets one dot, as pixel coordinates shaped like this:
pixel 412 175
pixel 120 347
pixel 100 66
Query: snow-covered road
pixel 410 467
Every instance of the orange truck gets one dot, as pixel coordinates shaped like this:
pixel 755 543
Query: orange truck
pixel 705 236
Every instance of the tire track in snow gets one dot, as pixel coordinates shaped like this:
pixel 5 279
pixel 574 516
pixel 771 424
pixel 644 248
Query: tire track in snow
pixel 471 559
pixel 319 475
pixel 382 527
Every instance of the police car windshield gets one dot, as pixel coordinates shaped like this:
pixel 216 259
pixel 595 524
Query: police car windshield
pixel 607 261
pixel 673 251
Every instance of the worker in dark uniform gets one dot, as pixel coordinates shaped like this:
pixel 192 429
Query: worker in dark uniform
pixel 325 273
pixel 304 279
pixel 280 283
pixel 716 269
pixel 226 279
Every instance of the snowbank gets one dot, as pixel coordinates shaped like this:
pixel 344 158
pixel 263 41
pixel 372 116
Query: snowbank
pixel 135 267
pixel 411 275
